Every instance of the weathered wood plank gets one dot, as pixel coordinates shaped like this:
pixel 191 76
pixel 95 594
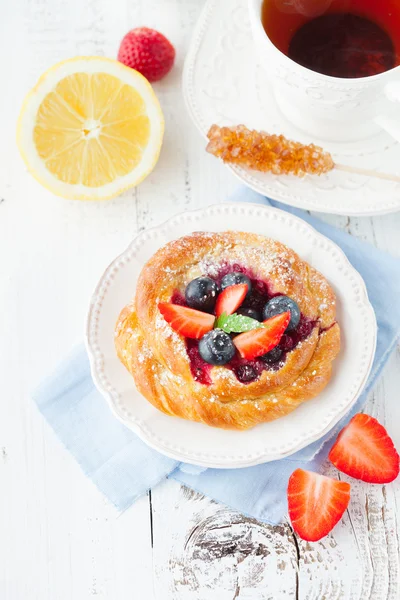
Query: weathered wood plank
pixel 212 547
pixel 215 550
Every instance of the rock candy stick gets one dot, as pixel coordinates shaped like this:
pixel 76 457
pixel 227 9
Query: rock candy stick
pixel 274 153
pixel 264 152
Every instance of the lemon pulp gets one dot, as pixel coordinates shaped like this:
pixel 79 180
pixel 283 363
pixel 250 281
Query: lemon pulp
pixel 90 128
pixel 84 137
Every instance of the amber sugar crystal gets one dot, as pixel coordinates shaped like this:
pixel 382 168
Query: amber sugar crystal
pixel 263 152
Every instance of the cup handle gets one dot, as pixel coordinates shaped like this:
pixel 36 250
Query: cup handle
pixel 390 122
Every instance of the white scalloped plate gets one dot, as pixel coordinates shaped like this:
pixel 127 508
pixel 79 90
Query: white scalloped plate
pixel 223 84
pixel 197 443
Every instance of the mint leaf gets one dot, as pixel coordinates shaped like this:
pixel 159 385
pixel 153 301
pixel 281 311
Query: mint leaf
pixel 236 323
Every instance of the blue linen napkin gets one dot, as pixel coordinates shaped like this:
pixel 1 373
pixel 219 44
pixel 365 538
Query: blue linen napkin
pixel 124 468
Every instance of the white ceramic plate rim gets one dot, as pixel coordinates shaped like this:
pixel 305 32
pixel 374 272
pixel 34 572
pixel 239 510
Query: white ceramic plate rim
pixel 246 176
pixel 109 389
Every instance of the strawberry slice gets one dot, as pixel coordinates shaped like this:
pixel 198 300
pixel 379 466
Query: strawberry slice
pixel 316 503
pixel 364 450
pixel 260 341
pixel 187 321
pixel 230 299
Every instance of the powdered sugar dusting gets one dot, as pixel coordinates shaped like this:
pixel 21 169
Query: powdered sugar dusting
pixel 270 260
pixel 145 353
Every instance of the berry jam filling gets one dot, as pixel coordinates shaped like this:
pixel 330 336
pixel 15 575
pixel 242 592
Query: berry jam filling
pixel 247 371
pixel 178 298
pixel 198 367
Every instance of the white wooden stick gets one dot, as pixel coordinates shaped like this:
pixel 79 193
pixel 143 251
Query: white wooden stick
pixel 368 173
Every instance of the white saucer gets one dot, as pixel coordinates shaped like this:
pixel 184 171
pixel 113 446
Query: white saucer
pixel 197 443
pixel 223 84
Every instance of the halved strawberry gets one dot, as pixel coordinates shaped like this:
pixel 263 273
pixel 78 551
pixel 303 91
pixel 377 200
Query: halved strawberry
pixel 316 503
pixel 230 299
pixel 364 450
pixel 187 321
pixel 260 341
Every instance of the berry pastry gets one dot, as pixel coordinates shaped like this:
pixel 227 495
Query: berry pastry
pixel 230 329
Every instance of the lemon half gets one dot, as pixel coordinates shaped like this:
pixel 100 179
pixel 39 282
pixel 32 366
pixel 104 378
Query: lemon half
pixel 90 128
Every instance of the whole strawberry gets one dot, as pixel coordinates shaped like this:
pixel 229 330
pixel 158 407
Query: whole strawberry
pixel 147 51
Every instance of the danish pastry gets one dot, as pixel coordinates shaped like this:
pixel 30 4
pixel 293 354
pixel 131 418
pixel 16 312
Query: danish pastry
pixel 230 329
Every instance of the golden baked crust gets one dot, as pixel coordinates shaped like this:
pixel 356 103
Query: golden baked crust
pixel 157 358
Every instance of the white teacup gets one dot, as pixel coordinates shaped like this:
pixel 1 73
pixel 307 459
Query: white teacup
pixel 330 108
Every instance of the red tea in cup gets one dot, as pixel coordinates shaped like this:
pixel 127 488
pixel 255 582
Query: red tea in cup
pixel 340 38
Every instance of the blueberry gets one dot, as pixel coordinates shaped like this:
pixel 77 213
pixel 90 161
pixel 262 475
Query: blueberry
pixel 201 294
pixel 246 373
pixel 272 356
pixel 216 347
pixel 249 312
pixel 235 279
pixel 281 304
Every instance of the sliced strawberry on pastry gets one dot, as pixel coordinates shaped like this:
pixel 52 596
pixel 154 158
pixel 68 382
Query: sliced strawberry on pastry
pixel 187 321
pixel 316 503
pixel 257 342
pixel 365 451
pixel 230 299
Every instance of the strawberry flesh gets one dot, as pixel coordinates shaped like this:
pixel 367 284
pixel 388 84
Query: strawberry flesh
pixel 230 299
pixel 365 451
pixel 188 322
pixel 257 342
pixel 316 503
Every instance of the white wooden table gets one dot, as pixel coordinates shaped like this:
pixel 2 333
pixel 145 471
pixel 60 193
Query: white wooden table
pixel 59 538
